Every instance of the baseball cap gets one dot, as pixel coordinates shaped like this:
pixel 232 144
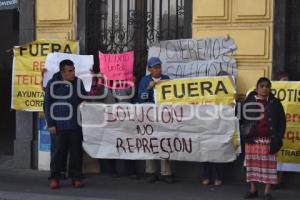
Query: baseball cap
pixel 153 61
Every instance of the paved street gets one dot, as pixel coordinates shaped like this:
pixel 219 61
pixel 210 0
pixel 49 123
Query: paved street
pixel 32 185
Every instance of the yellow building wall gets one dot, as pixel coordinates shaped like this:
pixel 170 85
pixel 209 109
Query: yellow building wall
pixel 250 24
pixel 55 19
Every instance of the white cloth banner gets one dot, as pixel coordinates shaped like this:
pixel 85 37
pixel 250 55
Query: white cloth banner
pixel 288 167
pixel 201 133
pixel 83 65
pixel 195 57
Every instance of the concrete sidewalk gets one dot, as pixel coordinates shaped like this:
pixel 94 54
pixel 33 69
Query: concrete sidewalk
pixel 31 184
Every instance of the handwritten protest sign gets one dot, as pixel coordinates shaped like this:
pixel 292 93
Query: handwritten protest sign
pixel 203 90
pixel 117 69
pixel 149 131
pixel 83 65
pixel 195 57
pixel 29 61
pixel 289 95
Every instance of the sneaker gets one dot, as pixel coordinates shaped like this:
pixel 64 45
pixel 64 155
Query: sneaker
pixel 54 184
pixel 267 196
pixel 251 195
pixel 77 184
pixel 152 178
pixel 167 178
pixel 205 182
pixel 218 183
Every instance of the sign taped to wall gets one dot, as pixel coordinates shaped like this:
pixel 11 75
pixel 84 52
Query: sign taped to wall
pixel 29 61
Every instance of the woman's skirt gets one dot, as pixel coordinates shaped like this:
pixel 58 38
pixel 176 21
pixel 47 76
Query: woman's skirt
pixel 261 166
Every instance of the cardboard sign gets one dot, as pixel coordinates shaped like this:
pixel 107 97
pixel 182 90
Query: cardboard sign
pixel 187 58
pixel 117 69
pixel 203 90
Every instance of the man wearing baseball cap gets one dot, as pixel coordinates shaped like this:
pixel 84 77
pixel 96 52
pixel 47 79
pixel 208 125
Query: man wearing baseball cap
pixel 146 95
pixel 145 92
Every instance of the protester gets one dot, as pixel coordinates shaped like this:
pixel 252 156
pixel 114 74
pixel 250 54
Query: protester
pixel 129 95
pixel 214 171
pixel 282 76
pixel 112 96
pixel 146 95
pixel 61 104
pixel 63 173
pixel 104 95
pixel 64 155
pixel 264 137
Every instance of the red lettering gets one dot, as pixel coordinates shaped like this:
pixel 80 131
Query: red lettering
pixel 38 65
pixel 18 79
pixel 28 80
pixel 288 117
pixel 294 117
pixel 292 136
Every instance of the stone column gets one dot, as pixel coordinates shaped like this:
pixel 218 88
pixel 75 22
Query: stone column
pixel 25 120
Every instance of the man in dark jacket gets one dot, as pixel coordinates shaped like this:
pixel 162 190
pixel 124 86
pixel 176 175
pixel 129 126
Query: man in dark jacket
pixel 62 98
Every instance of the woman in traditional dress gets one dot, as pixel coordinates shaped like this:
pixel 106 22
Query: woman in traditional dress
pixel 269 122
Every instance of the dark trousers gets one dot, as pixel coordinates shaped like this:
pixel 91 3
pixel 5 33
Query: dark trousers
pixel 64 160
pixel 213 171
pixel 131 167
pixel 119 167
pixel 110 166
pixel 62 143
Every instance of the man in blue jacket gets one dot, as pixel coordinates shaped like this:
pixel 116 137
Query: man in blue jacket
pixel 146 95
pixel 61 102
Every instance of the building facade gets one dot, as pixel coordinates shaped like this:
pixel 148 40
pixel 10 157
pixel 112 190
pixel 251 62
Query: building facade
pixel 262 30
